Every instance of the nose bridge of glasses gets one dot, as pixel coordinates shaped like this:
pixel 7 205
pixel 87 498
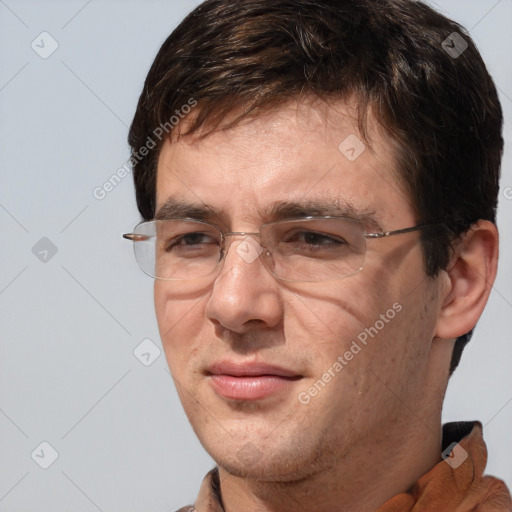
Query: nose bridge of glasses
pixel 241 233
pixel 234 234
pixel 238 234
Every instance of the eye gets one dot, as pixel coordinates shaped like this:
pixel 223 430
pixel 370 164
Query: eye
pixel 195 238
pixel 314 238
pixel 191 240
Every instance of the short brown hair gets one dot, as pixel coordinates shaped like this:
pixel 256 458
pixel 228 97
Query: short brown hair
pixel 441 109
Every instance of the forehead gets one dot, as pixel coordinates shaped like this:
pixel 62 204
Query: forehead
pixel 302 152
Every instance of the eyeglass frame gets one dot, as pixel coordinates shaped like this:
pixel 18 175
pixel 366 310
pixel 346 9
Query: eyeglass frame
pixel 134 237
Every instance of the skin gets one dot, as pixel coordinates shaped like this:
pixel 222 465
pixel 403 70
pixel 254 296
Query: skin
pixel 375 427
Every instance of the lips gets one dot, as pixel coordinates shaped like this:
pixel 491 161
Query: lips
pixel 249 381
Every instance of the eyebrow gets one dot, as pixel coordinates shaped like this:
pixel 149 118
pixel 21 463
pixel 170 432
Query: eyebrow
pixel 174 208
pixel 331 207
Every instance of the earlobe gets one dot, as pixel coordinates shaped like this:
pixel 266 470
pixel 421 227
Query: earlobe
pixel 468 280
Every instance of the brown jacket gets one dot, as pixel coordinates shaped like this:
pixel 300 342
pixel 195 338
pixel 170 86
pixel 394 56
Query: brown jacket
pixel 456 484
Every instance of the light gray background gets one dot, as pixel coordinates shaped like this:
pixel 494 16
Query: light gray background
pixel 69 325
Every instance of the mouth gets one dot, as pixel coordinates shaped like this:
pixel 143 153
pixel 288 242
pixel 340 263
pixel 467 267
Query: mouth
pixel 249 381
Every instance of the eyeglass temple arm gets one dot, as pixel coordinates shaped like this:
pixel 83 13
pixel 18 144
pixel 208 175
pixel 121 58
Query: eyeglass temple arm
pixel 135 237
pixel 397 231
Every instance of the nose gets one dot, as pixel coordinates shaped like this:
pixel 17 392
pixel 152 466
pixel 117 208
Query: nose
pixel 244 294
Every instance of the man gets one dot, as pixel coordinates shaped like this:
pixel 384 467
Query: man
pixel 318 181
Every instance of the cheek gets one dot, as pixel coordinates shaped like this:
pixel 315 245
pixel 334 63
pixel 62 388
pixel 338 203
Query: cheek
pixel 339 309
pixel 323 323
pixel 372 320
pixel 179 322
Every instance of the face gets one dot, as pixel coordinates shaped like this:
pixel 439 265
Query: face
pixel 280 378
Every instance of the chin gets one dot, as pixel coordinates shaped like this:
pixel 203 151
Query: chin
pixel 264 469
pixel 266 460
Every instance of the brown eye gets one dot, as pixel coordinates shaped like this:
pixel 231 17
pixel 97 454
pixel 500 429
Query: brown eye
pixel 191 240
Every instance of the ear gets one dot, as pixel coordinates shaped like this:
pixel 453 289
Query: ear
pixel 468 280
